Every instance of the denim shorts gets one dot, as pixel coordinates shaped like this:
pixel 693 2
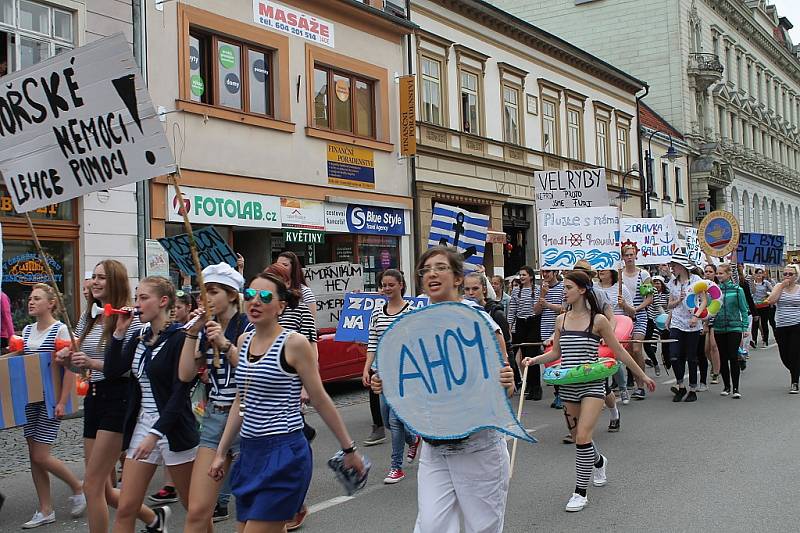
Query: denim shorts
pixel 214 421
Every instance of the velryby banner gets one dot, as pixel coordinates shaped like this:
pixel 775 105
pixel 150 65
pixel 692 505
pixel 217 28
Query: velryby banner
pixel 655 239
pixel 440 367
pixel 556 189
pixel 568 235
pixel 211 248
pixel 79 122
pixel 357 310
pixel 760 248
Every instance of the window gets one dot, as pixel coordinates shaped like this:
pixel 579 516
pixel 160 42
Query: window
pixel 511 114
pixel 549 127
pixel 622 148
pixel 678 187
pixel 574 136
pixel 602 143
pixel 431 91
pixel 343 102
pixel 228 73
pixel 31 32
pixel 665 180
pixel 470 108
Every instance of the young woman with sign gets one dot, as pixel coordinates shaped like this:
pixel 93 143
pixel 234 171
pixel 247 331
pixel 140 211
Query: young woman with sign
pixel 634 278
pixel 762 288
pixel 272 475
pixel 469 475
pixel 160 428
pixel 730 325
pixel 107 400
pixel 525 327
pixel 685 327
pixel 576 342
pixel 786 299
pixel 40 431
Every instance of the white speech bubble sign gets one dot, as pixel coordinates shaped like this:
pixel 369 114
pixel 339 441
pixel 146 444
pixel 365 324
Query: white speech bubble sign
pixel 440 367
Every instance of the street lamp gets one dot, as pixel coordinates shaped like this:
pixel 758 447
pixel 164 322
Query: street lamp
pixel 671 156
pixel 623 194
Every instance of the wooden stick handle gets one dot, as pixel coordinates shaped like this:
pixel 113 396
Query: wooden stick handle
pixel 519 414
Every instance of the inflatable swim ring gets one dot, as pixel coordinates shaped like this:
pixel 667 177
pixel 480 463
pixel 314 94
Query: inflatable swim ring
pixel 601 369
pixel 622 331
pixel 704 298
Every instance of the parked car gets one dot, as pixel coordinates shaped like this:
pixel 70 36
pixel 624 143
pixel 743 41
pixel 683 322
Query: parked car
pixel 339 361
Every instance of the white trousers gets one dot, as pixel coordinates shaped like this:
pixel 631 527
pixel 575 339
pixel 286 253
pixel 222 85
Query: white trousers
pixel 469 486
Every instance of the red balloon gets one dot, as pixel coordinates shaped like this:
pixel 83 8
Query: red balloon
pixel 62 343
pixel 16 343
pixel 82 387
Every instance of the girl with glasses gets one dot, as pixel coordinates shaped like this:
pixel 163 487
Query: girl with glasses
pixel 786 299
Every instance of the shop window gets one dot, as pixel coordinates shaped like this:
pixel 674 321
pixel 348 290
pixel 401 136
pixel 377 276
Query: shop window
pixel 574 136
pixel 549 127
pixel 602 142
pixel 231 74
pixel 32 32
pixel 431 90
pixel 343 102
pixel 470 106
pixel 511 114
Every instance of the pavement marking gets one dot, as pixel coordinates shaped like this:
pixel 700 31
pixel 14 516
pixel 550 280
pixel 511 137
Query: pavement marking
pixel 317 507
pixel 670 382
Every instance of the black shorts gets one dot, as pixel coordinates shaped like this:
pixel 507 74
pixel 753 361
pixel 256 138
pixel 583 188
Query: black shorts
pixel 105 406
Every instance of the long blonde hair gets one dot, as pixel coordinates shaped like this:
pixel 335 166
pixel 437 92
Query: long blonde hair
pixel 51 297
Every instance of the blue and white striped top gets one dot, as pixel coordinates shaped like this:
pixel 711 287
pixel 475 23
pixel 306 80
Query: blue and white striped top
pixel 269 395
pixel 787 310
pixel 138 368
pixel 520 306
pixel 42 342
pixel 223 379
pixel 555 296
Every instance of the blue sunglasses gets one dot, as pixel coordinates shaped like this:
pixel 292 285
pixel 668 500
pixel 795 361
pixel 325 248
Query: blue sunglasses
pixel 264 295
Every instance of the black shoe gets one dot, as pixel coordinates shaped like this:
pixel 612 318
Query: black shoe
pixel 167 494
pixel 742 365
pixel 691 397
pixel 753 344
pixel 220 513
pixel 535 395
pixel 613 426
pixel 162 514
pixel 674 389
pixel 679 393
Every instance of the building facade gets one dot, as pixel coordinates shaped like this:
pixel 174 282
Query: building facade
pixel 78 233
pixel 725 74
pixel 284 123
pixel 499 99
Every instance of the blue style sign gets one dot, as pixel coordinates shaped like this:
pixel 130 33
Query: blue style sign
pixel 357 309
pixel 375 220
pixel 760 248
pixel 440 367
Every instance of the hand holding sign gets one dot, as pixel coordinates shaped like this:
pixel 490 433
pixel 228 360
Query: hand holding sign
pixel 442 373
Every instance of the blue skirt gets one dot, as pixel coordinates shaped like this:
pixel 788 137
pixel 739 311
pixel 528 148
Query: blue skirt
pixel 271 477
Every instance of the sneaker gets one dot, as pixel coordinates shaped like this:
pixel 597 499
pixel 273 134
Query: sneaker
pixel 702 387
pixel 220 513
pixel 714 378
pixel 725 392
pixel 395 475
pixel 567 439
pixel 576 503
pixel 613 425
pixel 77 505
pixel 691 397
pixel 625 401
pixel 162 514
pixel 639 394
pixel 378 436
pixel 793 389
pixel 753 344
pixel 298 519
pixel 167 494
pixel 599 478
pixel 736 395
pixel 679 394
pixel 556 402
pixel 39 520
pixel 657 370
pixel 413 449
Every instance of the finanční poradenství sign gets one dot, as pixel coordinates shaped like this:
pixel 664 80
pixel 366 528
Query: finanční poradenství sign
pixel 79 122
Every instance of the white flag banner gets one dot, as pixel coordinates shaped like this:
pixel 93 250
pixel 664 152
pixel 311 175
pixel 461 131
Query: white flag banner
pixel 655 239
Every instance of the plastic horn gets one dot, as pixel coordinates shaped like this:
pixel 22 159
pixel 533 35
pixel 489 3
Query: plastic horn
pixel 108 310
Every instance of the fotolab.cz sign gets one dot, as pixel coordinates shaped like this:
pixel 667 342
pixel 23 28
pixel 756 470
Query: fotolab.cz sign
pixel 293 22
pixel 224 208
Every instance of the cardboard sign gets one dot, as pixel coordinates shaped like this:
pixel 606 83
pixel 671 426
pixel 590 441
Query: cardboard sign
pixel 211 248
pixel 719 233
pixel 157 259
pixel 329 282
pixel 460 229
pixel 557 189
pixel 655 238
pixel 569 235
pixel 440 367
pixel 357 309
pixel 693 251
pixel 760 248
pixel 79 122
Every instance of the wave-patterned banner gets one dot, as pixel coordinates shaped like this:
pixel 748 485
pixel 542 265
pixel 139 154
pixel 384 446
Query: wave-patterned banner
pixel 568 235
pixel 464 230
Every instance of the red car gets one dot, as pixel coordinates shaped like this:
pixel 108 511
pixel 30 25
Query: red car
pixel 339 360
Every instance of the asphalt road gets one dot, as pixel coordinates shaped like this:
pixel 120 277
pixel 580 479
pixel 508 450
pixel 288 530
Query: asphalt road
pixel 719 464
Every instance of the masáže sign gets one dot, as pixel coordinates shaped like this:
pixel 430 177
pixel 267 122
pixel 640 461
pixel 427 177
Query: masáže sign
pixel 211 248
pixel 760 248
pixel 79 122
pixel 293 22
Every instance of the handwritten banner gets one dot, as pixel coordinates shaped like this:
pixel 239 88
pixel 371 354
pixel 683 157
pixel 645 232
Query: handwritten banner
pixel 79 122
pixel 568 235
pixel 760 248
pixel 440 367
pixel 556 189
pixel 211 248
pixel 654 238
pixel 693 251
pixel 329 282
pixel 460 229
pixel 357 309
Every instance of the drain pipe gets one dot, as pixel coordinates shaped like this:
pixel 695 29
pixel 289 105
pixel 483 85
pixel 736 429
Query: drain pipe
pixel 414 196
pixel 642 169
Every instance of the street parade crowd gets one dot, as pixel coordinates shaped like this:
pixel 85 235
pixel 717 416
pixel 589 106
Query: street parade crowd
pixel 250 355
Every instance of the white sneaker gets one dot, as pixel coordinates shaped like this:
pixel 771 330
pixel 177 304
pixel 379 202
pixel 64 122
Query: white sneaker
pixel 599 478
pixel 39 520
pixel 702 387
pixel 77 503
pixel 725 392
pixel 736 395
pixel 625 399
pixel 576 503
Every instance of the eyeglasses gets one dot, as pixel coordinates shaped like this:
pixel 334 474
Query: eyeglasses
pixel 435 268
pixel 264 295
pixel 788 273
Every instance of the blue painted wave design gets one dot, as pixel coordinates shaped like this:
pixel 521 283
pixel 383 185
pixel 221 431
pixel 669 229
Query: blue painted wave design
pixel 555 257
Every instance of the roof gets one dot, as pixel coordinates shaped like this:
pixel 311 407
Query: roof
pixel 652 120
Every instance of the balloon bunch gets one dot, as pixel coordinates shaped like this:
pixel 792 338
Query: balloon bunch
pixel 704 298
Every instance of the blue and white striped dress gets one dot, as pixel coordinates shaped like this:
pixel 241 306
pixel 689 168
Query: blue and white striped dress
pixel 578 348
pixel 269 395
pixel 39 426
